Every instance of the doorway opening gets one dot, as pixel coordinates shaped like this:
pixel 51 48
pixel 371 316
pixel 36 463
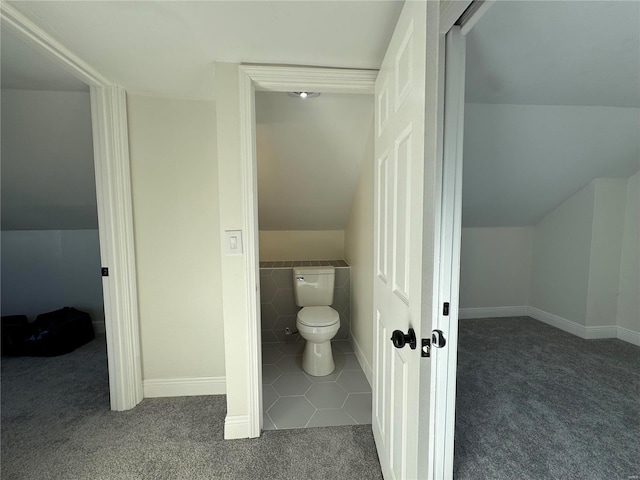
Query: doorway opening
pixel 550 187
pixel 113 199
pixel 274 79
pixel 311 152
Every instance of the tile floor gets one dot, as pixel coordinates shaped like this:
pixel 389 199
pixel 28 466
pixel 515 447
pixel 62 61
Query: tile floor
pixel 294 399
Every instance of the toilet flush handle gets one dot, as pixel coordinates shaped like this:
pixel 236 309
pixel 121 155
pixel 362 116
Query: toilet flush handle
pixel 300 279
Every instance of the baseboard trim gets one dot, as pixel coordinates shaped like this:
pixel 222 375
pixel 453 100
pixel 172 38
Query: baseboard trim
pixel 492 312
pixel 628 336
pixel 236 426
pixel 184 387
pixel 558 322
pixel 588 333
pixel 601 331
pixel 366 368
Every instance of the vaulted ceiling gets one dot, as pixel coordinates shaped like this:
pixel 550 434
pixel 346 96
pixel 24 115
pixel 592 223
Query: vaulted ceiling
pixel 567 55
pixel 310 152
pixel 552 91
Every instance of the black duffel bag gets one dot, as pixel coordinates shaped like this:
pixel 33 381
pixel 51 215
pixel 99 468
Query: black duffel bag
pixel 58 332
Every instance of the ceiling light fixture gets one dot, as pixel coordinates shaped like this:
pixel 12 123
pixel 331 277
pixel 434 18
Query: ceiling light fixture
pixel 304 94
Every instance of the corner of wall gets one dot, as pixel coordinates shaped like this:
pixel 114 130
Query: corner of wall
pixel 358 248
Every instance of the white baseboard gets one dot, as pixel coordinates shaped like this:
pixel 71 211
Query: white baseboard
pixel 558 322
pixel 184 387
pixel 236 426
pixel 492 312
pixel 602 331
pixel 366 368
pixel 629 336
pixel 588 333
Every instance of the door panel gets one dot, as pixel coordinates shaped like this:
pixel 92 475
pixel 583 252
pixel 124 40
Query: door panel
pixel 398 223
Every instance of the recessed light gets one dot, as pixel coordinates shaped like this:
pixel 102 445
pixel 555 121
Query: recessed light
pixel 303 94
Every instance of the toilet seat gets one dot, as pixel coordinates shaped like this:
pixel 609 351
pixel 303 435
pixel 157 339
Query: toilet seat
pixel 318 316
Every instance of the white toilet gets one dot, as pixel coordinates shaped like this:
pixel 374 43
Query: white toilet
pixel 317 322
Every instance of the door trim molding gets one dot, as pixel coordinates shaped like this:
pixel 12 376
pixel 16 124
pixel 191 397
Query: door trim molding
pixel 115 220
pixel 444 368
pixel 254 78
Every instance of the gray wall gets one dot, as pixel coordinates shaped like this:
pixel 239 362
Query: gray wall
pixel 44 270
pixel 50 245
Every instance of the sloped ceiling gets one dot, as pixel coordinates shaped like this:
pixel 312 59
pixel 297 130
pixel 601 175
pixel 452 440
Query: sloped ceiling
pixel 309 156
pixel 169 48
pixel 552 91
pixel 47 161
pixel 47 148
pixel 557 53
pixel 25 68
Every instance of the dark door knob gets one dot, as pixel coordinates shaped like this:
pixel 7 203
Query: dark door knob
pixel 400 339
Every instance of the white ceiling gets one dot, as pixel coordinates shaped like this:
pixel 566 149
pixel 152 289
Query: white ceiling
pixel 520 52
pixel 309 157
pixel 556 53
pixel 169 47
pixel 552 90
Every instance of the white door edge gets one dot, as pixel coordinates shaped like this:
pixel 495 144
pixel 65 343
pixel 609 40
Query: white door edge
pixel 444 367
pixel 275 79
pixel 115 220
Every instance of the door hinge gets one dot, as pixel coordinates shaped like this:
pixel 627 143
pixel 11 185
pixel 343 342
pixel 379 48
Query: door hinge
pixel 105 271
pixel 445 309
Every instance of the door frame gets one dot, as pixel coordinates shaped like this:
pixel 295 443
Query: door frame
pixel 456 20
pixel 115 219
pixel 254 78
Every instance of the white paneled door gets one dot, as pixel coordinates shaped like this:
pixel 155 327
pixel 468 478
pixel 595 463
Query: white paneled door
pixel 398 223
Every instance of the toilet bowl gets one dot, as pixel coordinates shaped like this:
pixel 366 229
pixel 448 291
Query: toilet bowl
pixel 317 322
pixel 318 325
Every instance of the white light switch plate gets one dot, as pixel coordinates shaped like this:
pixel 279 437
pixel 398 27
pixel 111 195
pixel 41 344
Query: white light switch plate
pixel 233 242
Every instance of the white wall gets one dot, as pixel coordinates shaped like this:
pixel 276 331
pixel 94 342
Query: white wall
pixel 495 267
pixel 44 270
pixel 628 312
pixel 606 251
pixel 177 234
pixel 359 255
pixel 579 275
pixel 48 177
pixel 582 259
pixel 301 245
pixel 561 257
pixel 232 210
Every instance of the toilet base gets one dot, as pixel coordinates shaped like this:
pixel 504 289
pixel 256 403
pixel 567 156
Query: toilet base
pixel 317 359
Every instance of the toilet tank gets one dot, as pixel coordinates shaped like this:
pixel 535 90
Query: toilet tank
pixel 313 286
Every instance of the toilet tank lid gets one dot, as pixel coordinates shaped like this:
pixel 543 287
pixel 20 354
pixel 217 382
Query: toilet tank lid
pixel 313 270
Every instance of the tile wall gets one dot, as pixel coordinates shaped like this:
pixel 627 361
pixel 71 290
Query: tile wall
pixel 278 305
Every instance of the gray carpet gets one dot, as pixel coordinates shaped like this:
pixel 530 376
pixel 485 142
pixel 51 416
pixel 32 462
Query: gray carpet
pixel 56 425
pixel 535 402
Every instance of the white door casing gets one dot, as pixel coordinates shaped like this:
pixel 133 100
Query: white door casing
pixel 398 236
pixel 254 78
pixel 445 360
